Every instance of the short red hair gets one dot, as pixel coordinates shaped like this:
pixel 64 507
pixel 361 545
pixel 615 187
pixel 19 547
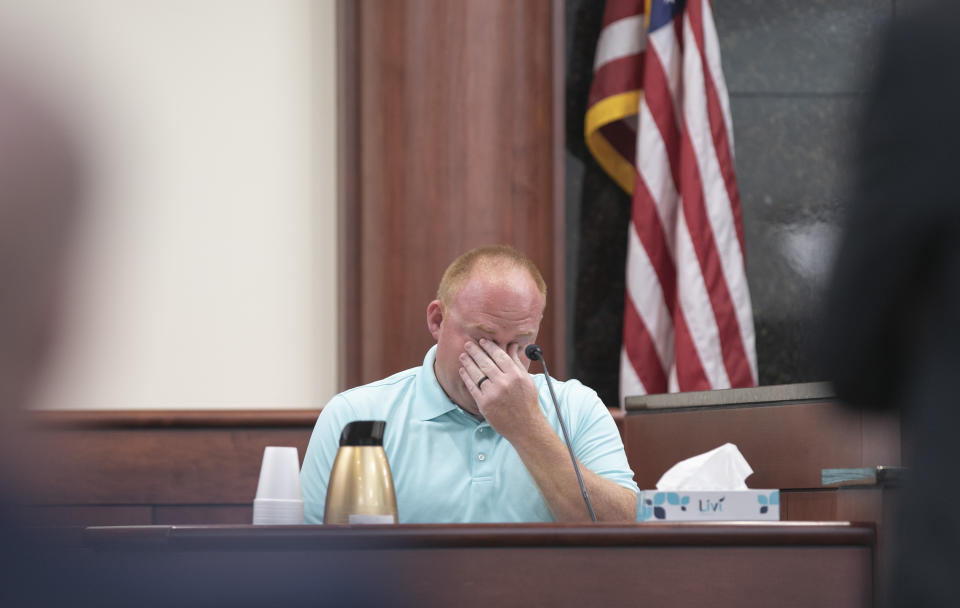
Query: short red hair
pixel 487 256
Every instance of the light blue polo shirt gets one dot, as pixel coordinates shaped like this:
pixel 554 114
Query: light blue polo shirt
pixel 448 467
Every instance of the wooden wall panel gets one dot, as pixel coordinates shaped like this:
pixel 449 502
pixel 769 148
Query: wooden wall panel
pixel 185 467
pixel 717 565
pixel 158 466
pixel 202 514
pixel 90 515
pixel 451 132
pixel 161 467
pixel 807 505
pixel 787 440
pixel 786 445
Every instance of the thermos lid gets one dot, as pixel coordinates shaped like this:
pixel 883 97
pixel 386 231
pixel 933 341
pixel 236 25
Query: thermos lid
pixel 363 432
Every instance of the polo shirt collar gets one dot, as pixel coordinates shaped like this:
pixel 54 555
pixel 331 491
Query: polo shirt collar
pixel 431 401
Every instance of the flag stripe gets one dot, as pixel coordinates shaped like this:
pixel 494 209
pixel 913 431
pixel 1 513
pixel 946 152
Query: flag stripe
pixel 645 292
pixel 622 38
pixel 640 347
pixel 615 10
pixel 737 276
pixel 646 224
pixel 690 374
pixel 705 249
pixel 648 220
pixel 659 101
pixel 719 124
pixel 659 182
pixel 712 51
pixel 687 315
pixel 630 383
pixel 718 109
pixel 694 302
pixel 615 77
pixel 718 246
pixel 711 54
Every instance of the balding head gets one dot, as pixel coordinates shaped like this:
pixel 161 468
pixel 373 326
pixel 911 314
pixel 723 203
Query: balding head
pixel 491 259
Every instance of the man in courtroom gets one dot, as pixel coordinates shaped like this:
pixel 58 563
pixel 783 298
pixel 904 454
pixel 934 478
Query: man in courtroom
pixel 472 436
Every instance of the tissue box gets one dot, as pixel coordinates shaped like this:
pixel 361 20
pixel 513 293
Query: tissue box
pixel 681 505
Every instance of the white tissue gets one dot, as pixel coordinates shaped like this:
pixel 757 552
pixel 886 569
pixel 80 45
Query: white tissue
pixel 723 468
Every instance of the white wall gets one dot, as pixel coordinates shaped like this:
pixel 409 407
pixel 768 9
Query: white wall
pixel 206 272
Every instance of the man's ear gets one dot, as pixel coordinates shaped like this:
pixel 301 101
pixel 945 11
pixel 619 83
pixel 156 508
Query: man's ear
pixel 435 318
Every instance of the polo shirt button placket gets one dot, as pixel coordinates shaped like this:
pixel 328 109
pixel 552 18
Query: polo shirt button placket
pixel 482 442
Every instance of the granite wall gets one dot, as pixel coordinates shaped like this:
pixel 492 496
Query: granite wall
pixel 796 72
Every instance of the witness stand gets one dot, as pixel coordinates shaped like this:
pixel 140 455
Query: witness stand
pixel 724 564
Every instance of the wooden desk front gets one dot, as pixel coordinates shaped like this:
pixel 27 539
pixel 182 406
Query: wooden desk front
pixel 731 564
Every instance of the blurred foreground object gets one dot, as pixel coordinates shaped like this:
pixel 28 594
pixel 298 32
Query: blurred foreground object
pixel 892 324
pixel 41 190
pixel 40 194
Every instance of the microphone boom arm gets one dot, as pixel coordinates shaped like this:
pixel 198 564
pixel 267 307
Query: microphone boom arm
pixel 535 353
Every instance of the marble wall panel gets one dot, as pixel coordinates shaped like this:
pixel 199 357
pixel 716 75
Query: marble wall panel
pixel 800 48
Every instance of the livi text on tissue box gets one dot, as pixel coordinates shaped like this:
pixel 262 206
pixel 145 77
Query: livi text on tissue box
pixel 689 505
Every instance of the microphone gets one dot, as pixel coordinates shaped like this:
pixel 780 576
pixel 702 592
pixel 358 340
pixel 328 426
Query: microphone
pixel 535 353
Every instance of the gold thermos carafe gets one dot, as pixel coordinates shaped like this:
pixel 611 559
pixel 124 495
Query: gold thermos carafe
pixel 360 490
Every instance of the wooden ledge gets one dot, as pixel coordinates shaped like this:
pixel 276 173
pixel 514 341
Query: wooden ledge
pixel 128 419
pixel 487 535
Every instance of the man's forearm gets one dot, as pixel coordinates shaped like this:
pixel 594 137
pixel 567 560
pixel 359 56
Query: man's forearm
pixel 546 457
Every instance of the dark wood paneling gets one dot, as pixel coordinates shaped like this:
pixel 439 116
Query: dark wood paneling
pixel 879 505
pixel 807 505
pixel 547 565
pixel 209 459
pixel 173 466
pixel 786 445
pixel 202 467
pixel 454 140
pixel 179 419
pixel 349 182
pixel 619 417
pixel 405 536
pixel 202 514
pixel 157 466
pixel 558 279
pixel 89 515
pixel 869 503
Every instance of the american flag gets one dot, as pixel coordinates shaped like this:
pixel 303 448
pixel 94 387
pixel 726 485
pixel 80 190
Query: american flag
pixel 658 121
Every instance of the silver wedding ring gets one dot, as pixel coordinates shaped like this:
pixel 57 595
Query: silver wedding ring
pixel 481 381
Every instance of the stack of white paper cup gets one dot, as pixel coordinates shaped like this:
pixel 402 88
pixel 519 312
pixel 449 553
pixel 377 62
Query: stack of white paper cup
pixel 278 500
